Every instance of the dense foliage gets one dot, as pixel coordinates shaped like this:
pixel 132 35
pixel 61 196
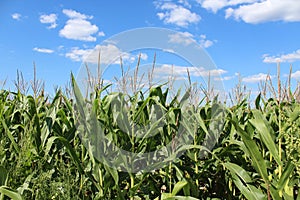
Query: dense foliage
pixel 257 155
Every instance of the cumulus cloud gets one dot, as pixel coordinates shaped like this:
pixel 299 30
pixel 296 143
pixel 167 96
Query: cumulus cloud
pixel 256 78
pixel 110 54
pixel 291 57
pixel 256 11
pixel 16 16
pixel 204 42
pixel 101 34
pixel 185 3
pixel 49 19
pixel 169 50
pixel 78 27
pixel 43 50
pixel 268 10
pixel 77 54
pixel 74 14
pixel 168 69
pixel 177 14
pixel 296 75
pixel 184 38
pixel 225 78
pixel 215 5
pixel 143 56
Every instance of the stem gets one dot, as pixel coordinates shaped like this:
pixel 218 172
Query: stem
pixel 131 163
pixel 279 149
pixel 101 183
pixel 196 169
pixel 131 185
pixel 132 141
pixel 131 181
pixel 279 118
pixel 82 160
pixel 196 161
pixel 268 191
pixel 170 181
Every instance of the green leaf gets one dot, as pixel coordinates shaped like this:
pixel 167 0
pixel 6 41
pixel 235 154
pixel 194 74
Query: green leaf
pixel 113 173
pixel 243 181
pixel 78 96
pixel 165 196
pixel 11 194
pixel 36 120
pixel 69 149
pixel 265 132
pixel 178 186
pixel 295 114
pixel 287 197
pixel 3 176
pixel 10 136
pixel 234 168
pixel 25 185
pixel 253 151
pixel 249 191
pixel 181 198
pixel 257 101
pixel 284 179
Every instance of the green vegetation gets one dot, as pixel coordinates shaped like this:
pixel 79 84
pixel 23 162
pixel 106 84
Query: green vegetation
pixel 257 155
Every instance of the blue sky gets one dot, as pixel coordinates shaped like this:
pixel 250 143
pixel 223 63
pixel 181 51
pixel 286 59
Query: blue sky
pixel 246 37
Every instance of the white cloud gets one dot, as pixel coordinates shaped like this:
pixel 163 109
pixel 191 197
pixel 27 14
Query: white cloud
pixel 215 5
pixel 296 75
pixel 16 16
pixel 177 14
pixel 101 34
pixel 267 10
pixel 291 57
pixel 49 19
pixel 213 72
pixel 204 42
pixel 78 27
pixel 169 50
pixel 43 50
pixel 110 54
pixel 255 78
pixel 256 11
pixel 77 54
pixel 74 14
pixel 184 38
pixel 225 78
pixel 185 3
pixel 60 47
pixel 167 69
pixel 144 56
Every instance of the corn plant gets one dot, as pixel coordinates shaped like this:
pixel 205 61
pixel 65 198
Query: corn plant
pixel 44 153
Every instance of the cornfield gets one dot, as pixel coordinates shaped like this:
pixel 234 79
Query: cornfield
pixel 42 156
